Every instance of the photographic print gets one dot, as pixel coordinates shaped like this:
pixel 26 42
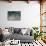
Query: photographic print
pixel 14 15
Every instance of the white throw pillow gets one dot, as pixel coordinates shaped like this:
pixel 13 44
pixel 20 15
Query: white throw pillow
pixel 5 32
pixel 23 31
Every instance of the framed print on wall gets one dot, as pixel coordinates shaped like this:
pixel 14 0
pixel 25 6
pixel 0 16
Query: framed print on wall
pixel 14 15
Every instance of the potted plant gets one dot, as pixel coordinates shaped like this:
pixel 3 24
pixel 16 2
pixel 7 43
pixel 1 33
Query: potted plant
pixel 37 33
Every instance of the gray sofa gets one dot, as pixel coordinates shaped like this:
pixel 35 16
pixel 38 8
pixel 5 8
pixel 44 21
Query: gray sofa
pixel 22 38
pixel 17 35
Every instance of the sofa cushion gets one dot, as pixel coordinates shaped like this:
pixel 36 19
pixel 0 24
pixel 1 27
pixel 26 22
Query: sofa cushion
pixel 11 30
pixel 23 31
pixel 17 30
pixel 20 37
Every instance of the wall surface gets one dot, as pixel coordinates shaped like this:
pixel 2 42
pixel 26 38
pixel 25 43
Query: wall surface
pixel 30 14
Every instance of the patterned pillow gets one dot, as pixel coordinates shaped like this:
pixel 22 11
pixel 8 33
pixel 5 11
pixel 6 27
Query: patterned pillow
pixel 17 30
pixel 11 30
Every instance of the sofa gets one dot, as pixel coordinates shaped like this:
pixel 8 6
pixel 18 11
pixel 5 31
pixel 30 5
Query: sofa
pixel 22 34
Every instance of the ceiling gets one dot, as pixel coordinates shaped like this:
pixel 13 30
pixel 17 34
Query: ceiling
pixel 24 0
pixel 20 0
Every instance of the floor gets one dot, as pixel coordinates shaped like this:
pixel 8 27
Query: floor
pixel 35 43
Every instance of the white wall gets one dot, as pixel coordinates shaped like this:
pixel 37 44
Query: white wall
pixel 30 14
